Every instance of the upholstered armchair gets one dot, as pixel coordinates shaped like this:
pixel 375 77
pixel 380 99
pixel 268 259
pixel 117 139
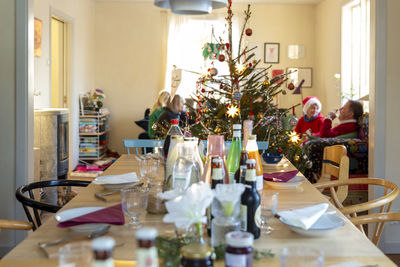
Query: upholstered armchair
pixel 357 150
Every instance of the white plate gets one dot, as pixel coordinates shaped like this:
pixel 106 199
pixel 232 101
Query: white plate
pixel 291 184
pixel 324 226
pixel 282 163
pixel 73 213
pixel 117 182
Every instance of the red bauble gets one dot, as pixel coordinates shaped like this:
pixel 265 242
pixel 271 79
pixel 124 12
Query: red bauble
pixel 250 65
pixel 221 58
pixel 291 86
pixel 227 46
pixel 249 32
pixel 203 90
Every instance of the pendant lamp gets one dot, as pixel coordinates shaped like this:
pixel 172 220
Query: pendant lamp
pixel 191 7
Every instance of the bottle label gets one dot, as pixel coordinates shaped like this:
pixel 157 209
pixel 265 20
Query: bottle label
pixel 243 221
pixel 235 260
pixel 147 257
pixel 231 177
pixel 100 263
pixel 237 133
pixel 251 175
pixel 260 182
pixel 257 217
pixel 217 174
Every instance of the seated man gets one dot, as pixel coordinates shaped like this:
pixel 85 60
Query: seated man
pixel 348 116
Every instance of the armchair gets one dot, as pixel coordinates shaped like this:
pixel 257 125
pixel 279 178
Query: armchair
pixel 357 151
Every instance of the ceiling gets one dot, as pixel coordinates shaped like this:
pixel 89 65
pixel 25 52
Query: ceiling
pixel 301 2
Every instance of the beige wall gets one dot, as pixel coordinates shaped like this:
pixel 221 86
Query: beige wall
pixel 327 53
pixel 131 48
pixel 81 15
pixel 7 117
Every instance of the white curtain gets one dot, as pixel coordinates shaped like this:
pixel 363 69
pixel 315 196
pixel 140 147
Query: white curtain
pixel 186 37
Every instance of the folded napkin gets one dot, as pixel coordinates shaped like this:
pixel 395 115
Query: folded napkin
pixel 280 177
pixel 304 217
pixel 130 177
pixel 110 215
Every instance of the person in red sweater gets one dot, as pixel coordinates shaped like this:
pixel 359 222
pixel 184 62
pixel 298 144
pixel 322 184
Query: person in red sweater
pixel 312 120
pixel 348 117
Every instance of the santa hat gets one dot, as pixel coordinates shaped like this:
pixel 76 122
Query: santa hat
pixel 308 101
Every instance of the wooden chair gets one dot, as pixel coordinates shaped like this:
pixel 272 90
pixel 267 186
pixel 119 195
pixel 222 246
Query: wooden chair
pixel 379 219
pixel 336 163
pixel 36 205
pixel 141 143
pixel 384 203
pixel 15 225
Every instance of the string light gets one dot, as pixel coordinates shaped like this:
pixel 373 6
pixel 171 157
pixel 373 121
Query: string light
pixel 294 137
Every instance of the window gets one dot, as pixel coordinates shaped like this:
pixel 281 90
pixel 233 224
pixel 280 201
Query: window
pixel 186 39
pixel 355 49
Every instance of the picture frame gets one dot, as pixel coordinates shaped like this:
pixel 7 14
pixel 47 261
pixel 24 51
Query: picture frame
pixel 298 74
pixel 37 38
pixel 271 53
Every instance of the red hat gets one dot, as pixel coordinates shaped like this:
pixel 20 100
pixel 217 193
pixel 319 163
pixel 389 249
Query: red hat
pixel 308 101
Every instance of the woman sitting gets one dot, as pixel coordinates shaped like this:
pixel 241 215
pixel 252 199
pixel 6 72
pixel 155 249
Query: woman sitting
pixel 174 110
pixel 312 119
pixel 157 110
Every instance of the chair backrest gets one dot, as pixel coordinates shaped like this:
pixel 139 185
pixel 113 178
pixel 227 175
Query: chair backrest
pixel 379 219
pixel 37 205
pixel 384 203
pixel 336 163
pixel 141 143
pixel 15 225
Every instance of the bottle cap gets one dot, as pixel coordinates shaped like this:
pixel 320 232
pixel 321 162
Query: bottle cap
pixel 244 151
pixel 103 243
pixel 217 159
pixel 175 121
pixel 251 161
pixel 237 127
pixel 239 239
pixel 196 251
pixel 146 233
pixel 253 137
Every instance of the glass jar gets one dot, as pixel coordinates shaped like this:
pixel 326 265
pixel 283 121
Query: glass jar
pixel 196 255
pixel 239 250
pixel 156 205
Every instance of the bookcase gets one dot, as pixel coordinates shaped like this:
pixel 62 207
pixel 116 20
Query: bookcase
pixel 93 135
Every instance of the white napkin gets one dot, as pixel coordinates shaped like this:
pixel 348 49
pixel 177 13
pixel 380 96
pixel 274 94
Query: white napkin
pixel 130 177
pixel 304 217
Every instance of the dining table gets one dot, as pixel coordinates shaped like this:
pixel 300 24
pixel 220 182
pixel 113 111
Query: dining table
pixel 346 244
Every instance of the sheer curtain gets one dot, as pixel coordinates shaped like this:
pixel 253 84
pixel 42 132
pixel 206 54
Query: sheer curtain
pixel 186 37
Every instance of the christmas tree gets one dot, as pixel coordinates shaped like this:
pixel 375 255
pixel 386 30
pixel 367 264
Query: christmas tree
pixel 246 93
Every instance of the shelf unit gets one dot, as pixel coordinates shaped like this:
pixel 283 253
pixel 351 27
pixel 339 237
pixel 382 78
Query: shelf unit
pixel 93 135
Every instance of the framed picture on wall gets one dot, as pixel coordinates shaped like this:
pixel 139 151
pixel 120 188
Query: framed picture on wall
pixel 298 74
pixel 271 53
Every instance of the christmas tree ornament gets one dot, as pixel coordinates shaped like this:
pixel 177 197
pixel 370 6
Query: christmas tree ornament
pixel 296 158
pixel 290 86
pixel 284 92
pixel 293 121
pixel 213 71
pixel 294 137
pixel 251 116
pixel 217 130
pixel 249 32
pixel 233 111
pixel 260 115
pixel 266 82
pixel 237 95
pixel 239 68
pixel 221 58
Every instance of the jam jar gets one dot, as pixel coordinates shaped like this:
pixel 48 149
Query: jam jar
pixel 239 249
pixel 196 255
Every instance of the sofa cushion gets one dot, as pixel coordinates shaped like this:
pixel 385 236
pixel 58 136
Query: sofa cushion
pixel 364 127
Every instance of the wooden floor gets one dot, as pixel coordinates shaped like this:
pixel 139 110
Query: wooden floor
pixel 395 258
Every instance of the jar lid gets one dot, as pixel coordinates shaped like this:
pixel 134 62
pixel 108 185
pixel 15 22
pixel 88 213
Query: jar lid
pixel 239 239
pixel 103 243
pixel 196 251
pixel 237 127
pixel 146 233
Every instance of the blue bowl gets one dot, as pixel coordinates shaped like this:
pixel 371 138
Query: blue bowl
pixel 272 158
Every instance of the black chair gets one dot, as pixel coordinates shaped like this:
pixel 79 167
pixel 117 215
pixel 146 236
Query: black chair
pixel 29 201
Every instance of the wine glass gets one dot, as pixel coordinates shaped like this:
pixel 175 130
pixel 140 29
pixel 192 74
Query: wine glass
pixel 134 203
pixel 269 205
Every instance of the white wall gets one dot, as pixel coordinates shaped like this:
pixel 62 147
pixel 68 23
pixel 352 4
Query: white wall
pixel 131 45
pixel 81 14
pixel 7 117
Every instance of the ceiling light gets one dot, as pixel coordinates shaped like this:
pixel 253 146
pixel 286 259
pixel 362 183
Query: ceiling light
pixel 191 7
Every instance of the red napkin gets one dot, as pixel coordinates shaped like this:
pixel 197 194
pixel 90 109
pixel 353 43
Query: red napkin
pixel 280 177
pixel 110 215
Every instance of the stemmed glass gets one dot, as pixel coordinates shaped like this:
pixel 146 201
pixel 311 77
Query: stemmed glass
pixel 269 205
pixel 134 203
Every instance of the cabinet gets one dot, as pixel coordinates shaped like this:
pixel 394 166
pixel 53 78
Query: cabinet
pixel 93 135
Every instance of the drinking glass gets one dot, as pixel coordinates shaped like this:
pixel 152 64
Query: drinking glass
pixel 153 166
pixel 269 205
pixel 143 167
pixel 134 203
pixel 301 257
pixel 75 254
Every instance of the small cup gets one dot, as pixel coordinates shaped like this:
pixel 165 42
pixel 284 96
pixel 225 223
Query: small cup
pixel 301 257
pixel 75 254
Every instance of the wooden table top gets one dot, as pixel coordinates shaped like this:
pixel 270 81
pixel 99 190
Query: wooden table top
pixel 346 244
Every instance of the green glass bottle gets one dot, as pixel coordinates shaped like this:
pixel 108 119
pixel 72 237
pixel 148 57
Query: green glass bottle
pixel 233 160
